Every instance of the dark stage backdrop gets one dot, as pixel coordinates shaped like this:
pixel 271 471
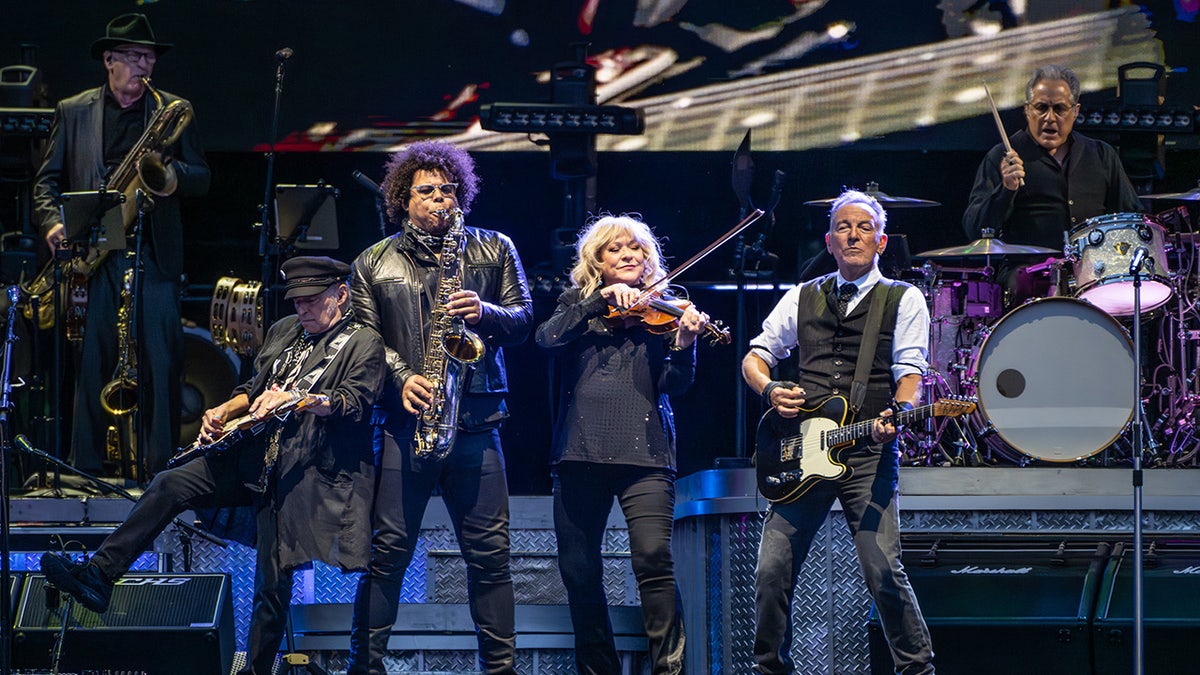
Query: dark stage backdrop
pixel 383 69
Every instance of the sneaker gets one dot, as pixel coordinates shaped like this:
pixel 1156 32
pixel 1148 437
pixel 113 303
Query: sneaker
pixel 85 583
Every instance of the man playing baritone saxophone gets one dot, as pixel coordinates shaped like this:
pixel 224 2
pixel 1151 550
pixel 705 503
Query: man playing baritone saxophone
pixel 92 133
pixel 309 476
pixel 396 289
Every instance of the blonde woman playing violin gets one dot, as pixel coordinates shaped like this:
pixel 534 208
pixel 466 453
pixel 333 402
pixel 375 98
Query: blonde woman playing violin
pixel 615 436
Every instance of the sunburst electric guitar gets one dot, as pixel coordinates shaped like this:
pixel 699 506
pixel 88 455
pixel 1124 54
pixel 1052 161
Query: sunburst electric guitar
pixel 243 427
pixel 793 454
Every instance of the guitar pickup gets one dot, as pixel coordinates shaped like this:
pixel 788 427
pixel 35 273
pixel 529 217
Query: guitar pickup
pixel 785 477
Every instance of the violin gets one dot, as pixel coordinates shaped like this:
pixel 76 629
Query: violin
pixel 659 314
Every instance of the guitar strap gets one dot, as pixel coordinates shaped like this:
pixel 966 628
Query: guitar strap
pixel 303 385
pixel 870 339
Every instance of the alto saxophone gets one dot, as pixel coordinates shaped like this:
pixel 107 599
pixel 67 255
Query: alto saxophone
pixel 450 351
pixel 142 166
pixel 119 396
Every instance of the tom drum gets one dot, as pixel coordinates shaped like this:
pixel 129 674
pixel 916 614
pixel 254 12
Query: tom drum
pixel 1105 247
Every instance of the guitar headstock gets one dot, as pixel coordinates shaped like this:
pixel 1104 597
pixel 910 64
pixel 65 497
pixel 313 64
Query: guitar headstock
pixel 955 406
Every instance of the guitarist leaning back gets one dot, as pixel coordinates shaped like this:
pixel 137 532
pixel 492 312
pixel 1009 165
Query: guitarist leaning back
pixel 829 321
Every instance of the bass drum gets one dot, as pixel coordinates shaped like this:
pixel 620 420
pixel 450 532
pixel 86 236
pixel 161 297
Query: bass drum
pixel 1055 380
pixel 209 375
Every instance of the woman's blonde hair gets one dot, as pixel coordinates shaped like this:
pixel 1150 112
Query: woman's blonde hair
pixel 596 235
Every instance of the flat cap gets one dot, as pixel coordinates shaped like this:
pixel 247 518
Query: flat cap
pixel 311 274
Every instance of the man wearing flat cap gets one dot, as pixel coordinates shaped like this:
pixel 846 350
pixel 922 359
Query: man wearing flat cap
pixel 310 474
pixel 92 133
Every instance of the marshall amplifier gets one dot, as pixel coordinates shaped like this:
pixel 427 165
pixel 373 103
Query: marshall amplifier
pixel 997 604
pixel 1170 608
pixel 169 624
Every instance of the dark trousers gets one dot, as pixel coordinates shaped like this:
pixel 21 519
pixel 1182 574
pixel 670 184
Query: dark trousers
pixel 161 358
pixel 208 482
pixel 583 496
pixel 869 502
pixel 475 490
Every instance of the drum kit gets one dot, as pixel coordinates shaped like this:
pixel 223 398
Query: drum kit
pixel 1054 375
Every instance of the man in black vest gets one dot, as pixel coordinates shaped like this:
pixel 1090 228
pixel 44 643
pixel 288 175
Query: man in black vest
pixel 1050 183
pixel 827 319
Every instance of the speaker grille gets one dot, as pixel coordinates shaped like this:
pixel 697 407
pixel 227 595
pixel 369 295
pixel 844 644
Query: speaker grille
pixel 174 624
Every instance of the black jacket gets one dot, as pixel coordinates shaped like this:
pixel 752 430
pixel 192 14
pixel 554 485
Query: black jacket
pixel 325 473
pixel 74 162
pixel 387 293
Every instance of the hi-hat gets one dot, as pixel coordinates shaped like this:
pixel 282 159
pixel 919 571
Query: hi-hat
pixel 984 246
pixel 886 200
pixel 1192 195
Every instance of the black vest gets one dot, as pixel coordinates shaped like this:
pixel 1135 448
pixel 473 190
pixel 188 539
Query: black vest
pixel 828 345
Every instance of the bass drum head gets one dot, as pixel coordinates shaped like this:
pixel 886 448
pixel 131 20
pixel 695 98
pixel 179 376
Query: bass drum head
pixel 1055 379
pixel 209 375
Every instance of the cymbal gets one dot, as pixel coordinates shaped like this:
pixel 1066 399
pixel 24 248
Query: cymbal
pixel 886 200
pixel 1192 195
pixel 984 246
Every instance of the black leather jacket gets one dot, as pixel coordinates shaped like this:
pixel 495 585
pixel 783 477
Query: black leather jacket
pixel 387 293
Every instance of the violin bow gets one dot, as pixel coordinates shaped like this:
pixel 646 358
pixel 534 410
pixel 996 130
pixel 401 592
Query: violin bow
pixel 749 220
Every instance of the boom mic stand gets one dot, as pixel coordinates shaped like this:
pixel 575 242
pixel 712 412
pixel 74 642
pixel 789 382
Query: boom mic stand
pixel 14 294
pixel 1135 268
pixel 267 247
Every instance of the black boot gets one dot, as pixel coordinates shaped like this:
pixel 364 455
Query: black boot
pixel 367 649
pixel 86 583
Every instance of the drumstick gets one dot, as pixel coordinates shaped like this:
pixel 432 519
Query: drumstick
pixel 999 125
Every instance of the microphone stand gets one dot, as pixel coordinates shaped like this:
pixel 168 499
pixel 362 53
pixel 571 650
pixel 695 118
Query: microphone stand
pixel 23 444
pixel 1135 268
pixel 14 294
pixel 267 247
pixel 145 204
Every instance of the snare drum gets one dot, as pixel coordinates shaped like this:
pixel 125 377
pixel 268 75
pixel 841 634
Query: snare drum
pixel 1055 379
pixel 1104 247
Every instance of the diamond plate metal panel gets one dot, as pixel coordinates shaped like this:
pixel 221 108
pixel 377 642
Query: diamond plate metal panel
pixel 742 534
pixel 450 661
pixel 236 559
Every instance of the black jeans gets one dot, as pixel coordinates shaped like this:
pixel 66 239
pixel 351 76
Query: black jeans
pixel 209 481
pixel 583 496
pixel 869 503
pixel 475 490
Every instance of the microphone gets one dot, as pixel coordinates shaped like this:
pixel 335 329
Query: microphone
pixel 145 203
pixel 1139 258
pixel 24 444
pixel 776 190
pixel 284 54
pixel 366 182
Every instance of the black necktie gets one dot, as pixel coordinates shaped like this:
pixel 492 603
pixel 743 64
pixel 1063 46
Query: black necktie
pixel 845 292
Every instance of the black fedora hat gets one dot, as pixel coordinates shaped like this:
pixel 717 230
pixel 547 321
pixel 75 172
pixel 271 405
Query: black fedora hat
pixel 128 29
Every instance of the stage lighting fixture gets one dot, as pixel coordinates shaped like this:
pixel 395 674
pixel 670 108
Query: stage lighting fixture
pixel 1118 117
pixel 559 118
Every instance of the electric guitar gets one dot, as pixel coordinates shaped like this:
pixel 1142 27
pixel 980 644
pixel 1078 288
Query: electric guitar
pixel 793 454
pixel 243 427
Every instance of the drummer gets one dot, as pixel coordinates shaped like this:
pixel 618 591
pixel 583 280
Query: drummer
pixel 1050 182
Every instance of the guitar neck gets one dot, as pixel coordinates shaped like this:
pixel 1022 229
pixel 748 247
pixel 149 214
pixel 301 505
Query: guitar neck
pixel 856 430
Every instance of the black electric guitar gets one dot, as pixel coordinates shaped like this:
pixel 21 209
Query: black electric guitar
pixel 793 454
pixel 243 427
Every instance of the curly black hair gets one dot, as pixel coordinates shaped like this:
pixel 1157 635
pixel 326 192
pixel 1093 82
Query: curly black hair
pixel 455 162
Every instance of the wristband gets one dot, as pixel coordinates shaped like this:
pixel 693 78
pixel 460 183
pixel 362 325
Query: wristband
pixel 772 386
pixel 902 406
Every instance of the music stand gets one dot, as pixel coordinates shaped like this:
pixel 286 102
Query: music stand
pixel 306 216
pixel 89 218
